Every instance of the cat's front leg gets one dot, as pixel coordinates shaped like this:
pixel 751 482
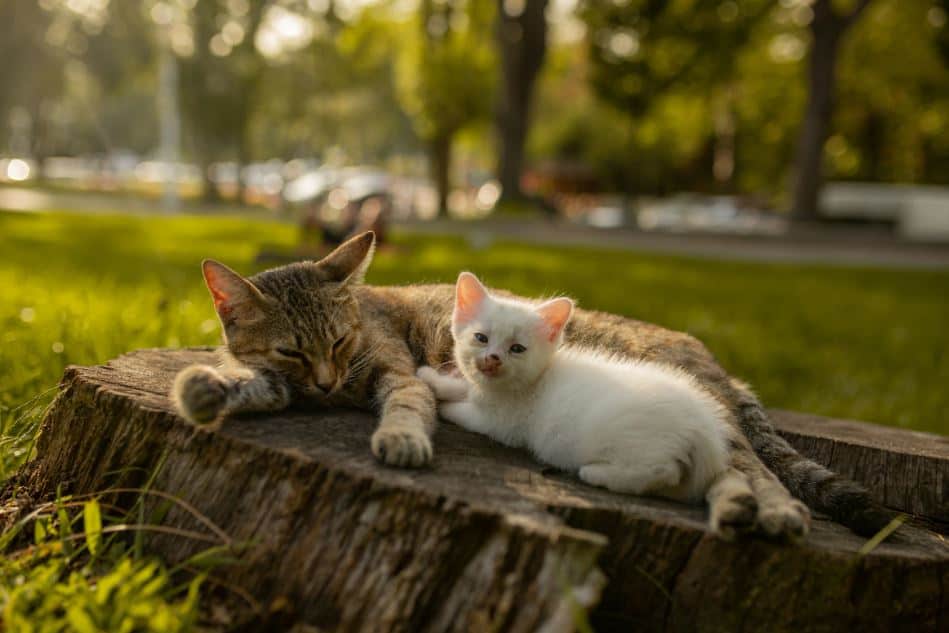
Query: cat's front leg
pixel 205 395
pixel 446 388
pixel 407 419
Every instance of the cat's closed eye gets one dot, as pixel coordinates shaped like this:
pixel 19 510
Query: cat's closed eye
pixel 341 344
pixel 292 353
pixel 517 348
pixel 481 338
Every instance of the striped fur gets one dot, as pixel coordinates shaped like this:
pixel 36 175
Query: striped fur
pixel 844 500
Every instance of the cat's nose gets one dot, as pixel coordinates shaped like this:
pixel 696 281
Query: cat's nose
pixel 494 358
pixel 324 377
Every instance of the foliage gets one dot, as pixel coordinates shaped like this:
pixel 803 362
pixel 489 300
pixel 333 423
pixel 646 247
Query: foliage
pixel 651 153
pixel 88 580
pixel 131 596
pixel 656 89
pixel 744 61
pixel 895 120
pixel 643 48
pixel 445 75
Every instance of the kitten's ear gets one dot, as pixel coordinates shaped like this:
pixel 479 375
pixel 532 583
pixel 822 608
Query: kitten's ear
pixel 234 297
pixel 469 297
pixel 555 314
pixel 351 259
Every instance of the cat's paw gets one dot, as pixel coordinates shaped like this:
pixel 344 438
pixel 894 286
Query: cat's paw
pixel 733 514
pixel 200 394
pixel 789 519
pixel 402 446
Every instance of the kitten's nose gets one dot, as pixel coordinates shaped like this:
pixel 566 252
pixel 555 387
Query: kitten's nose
pixel 489 365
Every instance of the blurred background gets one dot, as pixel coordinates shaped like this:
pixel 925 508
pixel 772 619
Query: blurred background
pixel 771 176
pixel 734 116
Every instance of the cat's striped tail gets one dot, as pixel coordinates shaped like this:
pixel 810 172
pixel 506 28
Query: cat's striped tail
pixel 844 500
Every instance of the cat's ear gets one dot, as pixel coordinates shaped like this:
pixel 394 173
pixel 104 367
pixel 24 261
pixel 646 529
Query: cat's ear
pixel 350 261
pixel 469 297
pixel 555 314
pixel 234 297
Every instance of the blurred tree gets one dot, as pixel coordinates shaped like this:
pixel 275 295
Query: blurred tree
pixel 32 78
pixel 828 26
pixel 654 60
pixel 522 37
pixel 891 123
pixel 218 80
pixel 65 87
pixel 445 79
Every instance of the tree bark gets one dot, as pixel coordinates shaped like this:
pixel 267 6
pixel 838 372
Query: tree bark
pixel 485 539
pixel 440 151
pixel 522 40
pixel 209 190
pixel 827 30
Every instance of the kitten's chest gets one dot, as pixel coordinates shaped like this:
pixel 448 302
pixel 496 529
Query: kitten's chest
pixel 509 417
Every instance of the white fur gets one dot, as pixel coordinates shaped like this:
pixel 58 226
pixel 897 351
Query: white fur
pixel 631 426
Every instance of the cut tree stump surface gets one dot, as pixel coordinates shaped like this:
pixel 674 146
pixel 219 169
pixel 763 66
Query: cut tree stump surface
pixel 485 538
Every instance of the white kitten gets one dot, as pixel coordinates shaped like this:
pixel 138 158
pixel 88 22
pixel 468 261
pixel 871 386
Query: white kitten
pixel 630 426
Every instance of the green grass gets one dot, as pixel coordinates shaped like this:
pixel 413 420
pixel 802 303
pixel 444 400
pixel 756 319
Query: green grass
pixel 860 343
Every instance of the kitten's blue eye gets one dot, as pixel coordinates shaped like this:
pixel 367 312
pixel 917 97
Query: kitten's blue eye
pixel 517 348
pixel 481 338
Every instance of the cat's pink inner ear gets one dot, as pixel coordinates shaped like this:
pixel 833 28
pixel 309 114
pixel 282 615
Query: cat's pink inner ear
pixel 555 314
pixel 469 297
pixel 228 289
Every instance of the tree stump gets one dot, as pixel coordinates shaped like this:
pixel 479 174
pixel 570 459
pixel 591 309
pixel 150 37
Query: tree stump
pixel 485 539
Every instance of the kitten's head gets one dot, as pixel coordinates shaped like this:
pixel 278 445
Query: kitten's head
pixel 301 320
pixel 501 342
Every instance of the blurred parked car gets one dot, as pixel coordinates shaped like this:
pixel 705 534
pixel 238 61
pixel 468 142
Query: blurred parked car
pixel 703 213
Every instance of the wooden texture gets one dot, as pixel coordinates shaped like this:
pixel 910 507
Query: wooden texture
pixel 485 539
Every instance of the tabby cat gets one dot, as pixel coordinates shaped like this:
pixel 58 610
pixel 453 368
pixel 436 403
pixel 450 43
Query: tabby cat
pixel 314 330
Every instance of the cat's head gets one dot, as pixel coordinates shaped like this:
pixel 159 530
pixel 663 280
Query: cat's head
pixel 300 321
pixel 501 342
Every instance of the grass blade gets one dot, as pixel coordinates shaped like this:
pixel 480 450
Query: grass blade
pixel 92 520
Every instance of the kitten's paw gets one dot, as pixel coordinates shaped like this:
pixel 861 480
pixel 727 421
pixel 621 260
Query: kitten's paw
pixel 428 375
pixel 789 519
pixel 200 394
pixel 405 446
pixel 733 514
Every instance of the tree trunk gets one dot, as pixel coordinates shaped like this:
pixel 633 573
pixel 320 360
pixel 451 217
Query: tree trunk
pixel 522 39
pixel 440 160
pixel 826 31
pixel 204 157
pixel 485 539
pixel 209 190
